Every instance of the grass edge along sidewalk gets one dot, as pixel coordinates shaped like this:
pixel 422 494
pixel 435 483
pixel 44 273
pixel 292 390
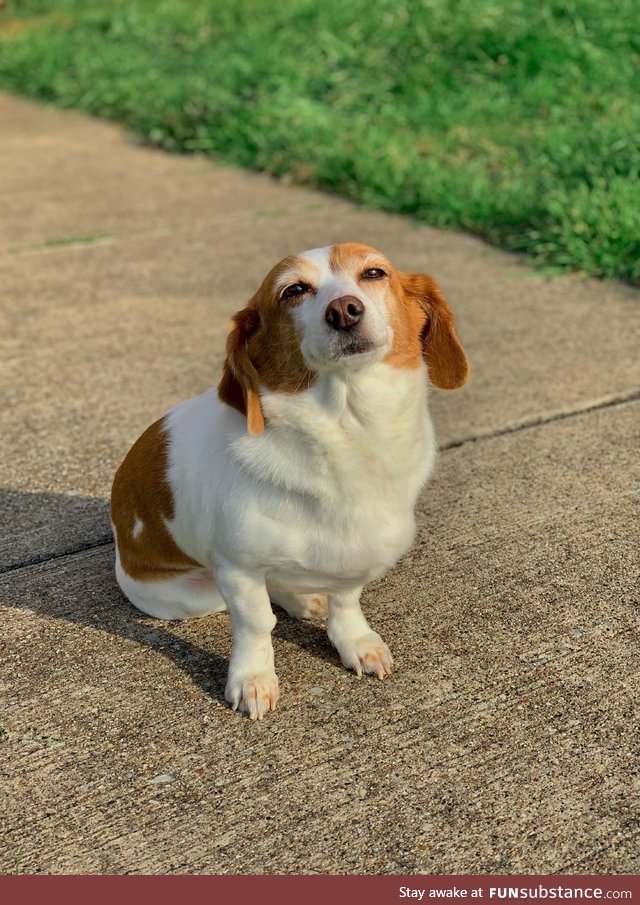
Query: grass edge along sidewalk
pixel 516 122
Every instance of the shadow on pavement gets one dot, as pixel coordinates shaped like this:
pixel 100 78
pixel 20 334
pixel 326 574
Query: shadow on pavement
pixel 56 559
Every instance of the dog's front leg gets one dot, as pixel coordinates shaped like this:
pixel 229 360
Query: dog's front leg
pixel 360 648
pixel 252 685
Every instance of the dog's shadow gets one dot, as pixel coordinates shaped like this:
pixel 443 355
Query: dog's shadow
pixel 57 560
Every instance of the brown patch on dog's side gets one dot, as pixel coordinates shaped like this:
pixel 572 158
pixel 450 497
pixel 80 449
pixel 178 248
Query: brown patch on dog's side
pixel 141 492
pixel 263 349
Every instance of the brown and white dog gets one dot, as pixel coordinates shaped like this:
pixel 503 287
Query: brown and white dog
pixel 294 481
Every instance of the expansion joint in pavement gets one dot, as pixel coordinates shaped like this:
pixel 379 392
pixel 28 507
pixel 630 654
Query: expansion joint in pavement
pixel 105 541
pixel 624 399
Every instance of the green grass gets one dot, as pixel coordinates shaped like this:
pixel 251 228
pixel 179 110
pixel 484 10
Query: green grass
pixel 75 240
pixel 516 120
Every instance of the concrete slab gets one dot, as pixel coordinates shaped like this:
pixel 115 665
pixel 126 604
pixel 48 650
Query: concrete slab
pixel 102 336
pixel 505 742
pixel 118 186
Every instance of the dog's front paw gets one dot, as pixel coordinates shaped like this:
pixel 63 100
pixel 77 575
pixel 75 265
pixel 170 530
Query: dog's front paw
pixel 369 654
pixel 253 694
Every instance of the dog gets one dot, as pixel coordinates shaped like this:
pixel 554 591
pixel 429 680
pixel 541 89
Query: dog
pixel 294 482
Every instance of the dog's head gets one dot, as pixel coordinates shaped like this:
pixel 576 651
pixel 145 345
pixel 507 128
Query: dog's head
pixel 337 308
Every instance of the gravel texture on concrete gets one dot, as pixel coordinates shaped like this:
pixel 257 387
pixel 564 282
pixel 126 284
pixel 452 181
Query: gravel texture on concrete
pixel 507 740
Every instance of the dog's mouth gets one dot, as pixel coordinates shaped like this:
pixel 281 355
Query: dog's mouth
pixel 345 346
pixel 354 345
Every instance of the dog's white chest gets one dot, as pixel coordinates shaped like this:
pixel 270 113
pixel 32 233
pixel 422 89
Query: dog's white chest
pixel 322 498
pixel 310 553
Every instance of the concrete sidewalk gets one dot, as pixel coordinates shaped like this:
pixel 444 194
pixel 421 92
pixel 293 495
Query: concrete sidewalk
pixel 506 742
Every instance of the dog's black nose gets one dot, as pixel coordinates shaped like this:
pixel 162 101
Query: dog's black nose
pixel 344 313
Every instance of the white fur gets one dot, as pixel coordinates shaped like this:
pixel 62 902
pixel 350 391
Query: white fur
pixel 320 503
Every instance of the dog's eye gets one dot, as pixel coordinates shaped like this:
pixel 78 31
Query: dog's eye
pixel 374 273
pixel 294 289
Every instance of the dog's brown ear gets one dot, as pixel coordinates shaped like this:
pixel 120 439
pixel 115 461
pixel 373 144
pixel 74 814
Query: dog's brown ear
pixel 239 384
pixel 441 347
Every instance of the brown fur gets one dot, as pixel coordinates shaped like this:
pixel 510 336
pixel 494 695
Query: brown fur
pixel 441 347
pixel 263 348
pixel 350 256
pixel 140 490
pixel 408 321
pixel 407 317
pixel 422 322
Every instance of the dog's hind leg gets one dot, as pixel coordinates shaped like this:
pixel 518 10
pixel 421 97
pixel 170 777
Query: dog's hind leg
pixel 300 606
pixel 183 596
